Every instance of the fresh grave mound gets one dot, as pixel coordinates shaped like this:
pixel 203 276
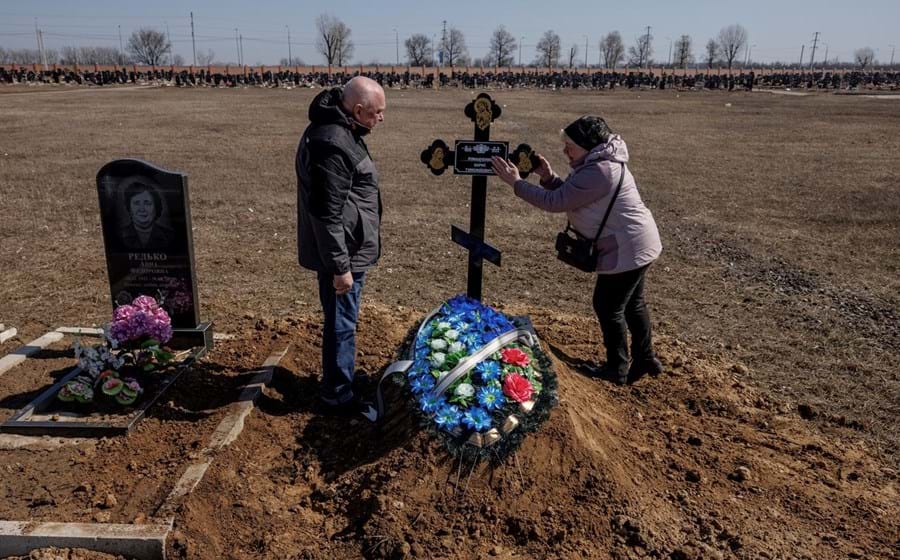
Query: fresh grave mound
pixel 477 379
pixel 693 464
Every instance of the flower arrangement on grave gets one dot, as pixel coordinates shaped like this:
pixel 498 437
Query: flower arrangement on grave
pixel 132 345
pixel 479 380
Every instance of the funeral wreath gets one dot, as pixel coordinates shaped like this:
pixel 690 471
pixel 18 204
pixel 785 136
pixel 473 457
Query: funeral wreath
pixel 478 380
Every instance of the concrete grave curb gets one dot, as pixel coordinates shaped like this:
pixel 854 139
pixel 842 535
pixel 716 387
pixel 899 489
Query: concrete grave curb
pixel 18 538
pixel 7 334
pixel 19 355
pixel 143 542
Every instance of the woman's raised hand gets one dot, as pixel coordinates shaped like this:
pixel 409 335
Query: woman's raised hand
pixel 544 171
pixel 507 172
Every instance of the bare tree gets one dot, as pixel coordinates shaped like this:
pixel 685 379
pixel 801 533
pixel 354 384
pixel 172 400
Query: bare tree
pixel 333 40
pixel 454 48
pixel 639 54
pixel 573 52
pixel 548 49
pixel 148 46
pixel 205 59
pixel 28 56
pixel 683 54
pixel 418 50
pixel 89 55
pixel 712 53
pixel 731 40
pixel 864 57
pixel 612 49
pixel 503 44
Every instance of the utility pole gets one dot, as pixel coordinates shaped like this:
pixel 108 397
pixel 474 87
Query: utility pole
pixel 826 55
pixel 241 41
pixel 237 49
pixel 290 57
pixel 40 42
pixel 893 48
pixel 443 44
pixel 520 50
pixel 802 48
pixel 670 50
pixel 397 44
pixel 121 50
pixel 647 47
pixel 812 58
pixel 43 52
pixel 585 50
pixel 193 43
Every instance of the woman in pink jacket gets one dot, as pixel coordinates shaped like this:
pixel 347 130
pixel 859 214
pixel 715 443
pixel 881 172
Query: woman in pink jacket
pixel 627 246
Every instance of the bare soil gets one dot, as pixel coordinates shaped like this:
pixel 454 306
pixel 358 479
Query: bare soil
pixel 117 480
pixel 775 306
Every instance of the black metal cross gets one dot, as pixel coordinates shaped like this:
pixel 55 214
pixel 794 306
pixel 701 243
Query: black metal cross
pixel 473 158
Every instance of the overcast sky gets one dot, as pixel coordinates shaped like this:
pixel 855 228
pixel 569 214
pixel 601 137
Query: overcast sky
pixel 777 28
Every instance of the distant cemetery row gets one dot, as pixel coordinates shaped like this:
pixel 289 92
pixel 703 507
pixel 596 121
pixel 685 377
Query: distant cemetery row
pixel 430 77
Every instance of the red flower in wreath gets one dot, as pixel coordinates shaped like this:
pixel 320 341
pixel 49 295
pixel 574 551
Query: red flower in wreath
pixel 517 388
pixel 516 357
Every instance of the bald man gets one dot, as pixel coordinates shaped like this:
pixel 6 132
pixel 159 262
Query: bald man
pixel 338 223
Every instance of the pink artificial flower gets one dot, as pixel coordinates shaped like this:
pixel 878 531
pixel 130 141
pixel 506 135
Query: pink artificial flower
pixel 516 357
pixel 517 388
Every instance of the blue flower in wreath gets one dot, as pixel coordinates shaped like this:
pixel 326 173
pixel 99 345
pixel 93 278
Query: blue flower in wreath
pixel 422 352
pixel 448 417
pixel 431 403
pixel 422 384
pixel 489 370
pixel 490 397
pixel 472 341
pixel 477 418
pixel 463 304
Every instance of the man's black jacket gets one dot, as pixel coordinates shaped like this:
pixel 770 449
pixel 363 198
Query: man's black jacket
pixel 338 202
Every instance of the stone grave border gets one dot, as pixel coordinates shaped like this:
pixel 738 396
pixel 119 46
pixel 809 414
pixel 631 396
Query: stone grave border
pixel 146 541
pixel 6 334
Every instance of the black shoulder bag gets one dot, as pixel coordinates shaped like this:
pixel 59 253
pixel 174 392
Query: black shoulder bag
pixel 579 251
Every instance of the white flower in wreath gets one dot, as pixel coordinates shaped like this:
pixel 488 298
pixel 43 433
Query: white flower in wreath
pixel 452 334
pixel 438 344
pixel 443 326
pixel 464 390
pixel 456 347
pixel 438 359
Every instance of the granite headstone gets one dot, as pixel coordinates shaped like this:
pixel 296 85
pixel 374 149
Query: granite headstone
pixel 146 219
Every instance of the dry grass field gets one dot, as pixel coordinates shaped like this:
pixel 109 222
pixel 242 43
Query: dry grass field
pixel 780 218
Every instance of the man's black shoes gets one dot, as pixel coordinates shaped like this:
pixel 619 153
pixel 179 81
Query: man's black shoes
pixel 608 373
pixel 638 369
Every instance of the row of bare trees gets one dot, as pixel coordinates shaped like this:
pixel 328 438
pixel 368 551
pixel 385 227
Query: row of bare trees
pixel 334 43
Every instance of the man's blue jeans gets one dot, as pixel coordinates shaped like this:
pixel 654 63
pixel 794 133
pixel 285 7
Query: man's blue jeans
pixel 339 337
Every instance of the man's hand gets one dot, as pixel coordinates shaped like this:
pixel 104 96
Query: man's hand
pixel 544 171
pixel 343 283
pixel 507 172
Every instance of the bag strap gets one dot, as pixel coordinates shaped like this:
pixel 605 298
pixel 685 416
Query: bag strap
pixel 610 207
